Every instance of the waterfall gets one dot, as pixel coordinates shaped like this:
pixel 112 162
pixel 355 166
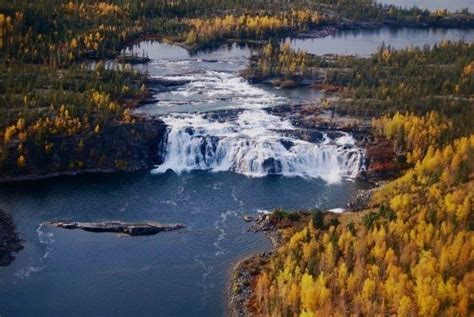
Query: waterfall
pixel 256 144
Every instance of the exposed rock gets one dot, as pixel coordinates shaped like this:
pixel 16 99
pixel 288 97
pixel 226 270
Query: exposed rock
pixel 166 82
pixel 10 241
pixel 272 165
pixel 263 223
pixel 133 60
pixel 132 229
pixel 285 83
pixel 245 270
pixel 287 144
pixel 243 274
pixel 360 200
pixel 381 159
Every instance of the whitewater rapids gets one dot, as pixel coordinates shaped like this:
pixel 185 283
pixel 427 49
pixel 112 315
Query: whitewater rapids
pixel 256 144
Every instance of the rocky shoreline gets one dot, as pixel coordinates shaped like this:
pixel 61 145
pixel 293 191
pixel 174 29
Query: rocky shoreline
pixel 10 241
pixel 244 270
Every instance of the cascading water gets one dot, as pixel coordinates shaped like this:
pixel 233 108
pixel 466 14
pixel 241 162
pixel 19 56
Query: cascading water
pixel 256 144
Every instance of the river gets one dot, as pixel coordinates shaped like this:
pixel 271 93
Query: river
pixel 215 171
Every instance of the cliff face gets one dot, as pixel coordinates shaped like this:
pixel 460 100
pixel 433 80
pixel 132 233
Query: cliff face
pixel 381 160
pixel 118 147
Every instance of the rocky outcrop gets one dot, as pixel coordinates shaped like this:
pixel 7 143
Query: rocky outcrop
pixel 360 200
pixel 243 275
pixel 117 147
pixel 133 59
pixel 381 160
pixel 132 229
pixel 263 223
pixel 244 271
pixel 10 242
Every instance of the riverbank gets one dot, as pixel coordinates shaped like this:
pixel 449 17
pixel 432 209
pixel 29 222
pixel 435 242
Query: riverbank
pixel 279 227
pixel 246 269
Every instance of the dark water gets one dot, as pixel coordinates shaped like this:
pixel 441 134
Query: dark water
pixel 181 273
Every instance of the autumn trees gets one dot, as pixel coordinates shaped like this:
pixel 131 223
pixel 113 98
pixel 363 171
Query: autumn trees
pixel 414 258
pixel 413 135
pixel 280 62
pixel 51 104
pixel 251 27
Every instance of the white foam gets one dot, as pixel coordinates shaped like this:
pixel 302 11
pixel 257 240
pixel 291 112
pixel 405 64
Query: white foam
pixel 46 239
pixel 210 87
pixel 346 139
pixel 254 145
pixel 219 225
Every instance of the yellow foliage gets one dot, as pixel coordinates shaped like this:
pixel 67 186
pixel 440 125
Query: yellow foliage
pixel 417 262
pixel 21 161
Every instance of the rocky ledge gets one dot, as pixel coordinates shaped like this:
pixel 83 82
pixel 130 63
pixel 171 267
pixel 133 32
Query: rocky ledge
pixel 132 229
pixel 10 241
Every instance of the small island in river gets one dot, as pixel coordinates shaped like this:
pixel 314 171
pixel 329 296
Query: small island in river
pixel 131 229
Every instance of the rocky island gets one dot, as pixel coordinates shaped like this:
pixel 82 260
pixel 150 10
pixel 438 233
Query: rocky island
pixel 131 229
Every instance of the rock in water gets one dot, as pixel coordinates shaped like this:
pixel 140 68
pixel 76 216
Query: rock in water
pixel 248 218
pixel 10 242
pixel 132 229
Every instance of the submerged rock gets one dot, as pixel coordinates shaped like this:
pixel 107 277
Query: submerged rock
pixel 132 229
pixel 133 59
pixel 10 241
pixel 166 82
